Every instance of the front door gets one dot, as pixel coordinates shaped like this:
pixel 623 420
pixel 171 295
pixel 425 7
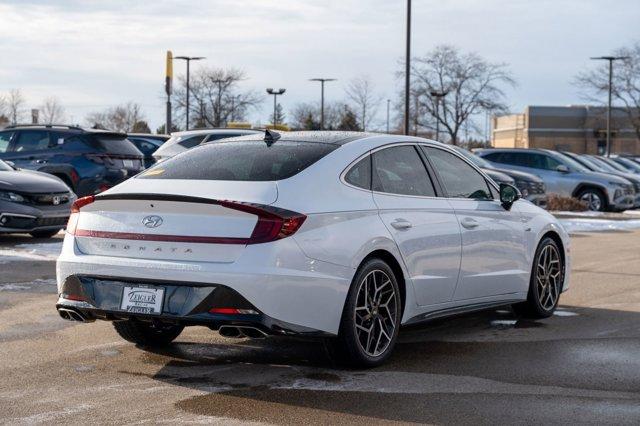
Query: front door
pixel 424 227
pixel 493 247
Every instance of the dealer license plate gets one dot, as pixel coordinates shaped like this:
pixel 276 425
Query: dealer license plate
pixel 142 300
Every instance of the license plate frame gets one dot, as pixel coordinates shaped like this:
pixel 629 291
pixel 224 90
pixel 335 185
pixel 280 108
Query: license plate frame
pixel 142 299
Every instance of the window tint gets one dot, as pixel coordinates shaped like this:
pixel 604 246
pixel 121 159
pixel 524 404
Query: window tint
pixel 241 161
pixel 360 174
pixel 144 146
pixel 541 161
pixel 399 170
pixel 32 140
pixel 459 179
pixel 113 144
pixel 218 136
pixel 5 137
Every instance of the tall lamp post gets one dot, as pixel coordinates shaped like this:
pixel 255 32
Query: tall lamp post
pixel 188 59
pixel 388 102
pixel 407 71
pixel 275 94
pixel 322 81
pixel 438 97
pixel 610 59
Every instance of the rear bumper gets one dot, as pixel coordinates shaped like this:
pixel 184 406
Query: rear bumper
pixel 287 288
pixel 186 304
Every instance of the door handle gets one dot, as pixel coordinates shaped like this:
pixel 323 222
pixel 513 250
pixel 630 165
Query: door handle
pixel 41 161
pixel 401 224
pixel 469 223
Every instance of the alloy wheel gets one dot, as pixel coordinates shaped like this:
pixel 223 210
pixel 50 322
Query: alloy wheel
pixel 548 277
pixel 375 313
pixel 594 203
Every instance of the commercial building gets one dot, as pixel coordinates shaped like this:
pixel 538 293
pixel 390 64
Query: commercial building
pixel 579 129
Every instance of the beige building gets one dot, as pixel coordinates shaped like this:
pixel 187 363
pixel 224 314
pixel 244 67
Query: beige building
pixel 580 129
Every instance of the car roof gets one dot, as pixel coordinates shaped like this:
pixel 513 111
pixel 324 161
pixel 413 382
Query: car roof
pixel 66 128
pixel 319 136
pixel 213 131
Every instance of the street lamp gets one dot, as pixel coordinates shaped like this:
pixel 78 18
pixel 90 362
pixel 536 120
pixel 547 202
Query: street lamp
pixel 275 94
pixel 610 59
pixel 188 59
pixel 407 71
pixel 322 81
pixel 438 96
pixel 388 102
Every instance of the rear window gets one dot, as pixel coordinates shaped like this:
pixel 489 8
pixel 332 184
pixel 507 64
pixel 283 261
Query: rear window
pixel 241 161
pixel 113 145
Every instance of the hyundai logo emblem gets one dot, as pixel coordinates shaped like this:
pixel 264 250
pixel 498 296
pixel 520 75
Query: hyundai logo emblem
pixel 152 221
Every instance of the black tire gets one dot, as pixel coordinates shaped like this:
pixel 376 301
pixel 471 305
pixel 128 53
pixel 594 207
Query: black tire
pixel 534 307
pixel 348 346
pixel 147 334
pixel 594 197
pixel 45 234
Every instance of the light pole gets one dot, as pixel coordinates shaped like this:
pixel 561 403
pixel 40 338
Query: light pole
pixel 438 96
pixel 388 102
pixel 407 70
pixel 610 59
pixel 188 59
pixel 322 81
pixel 275 94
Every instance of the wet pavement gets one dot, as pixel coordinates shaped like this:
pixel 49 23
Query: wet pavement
pixel 580 366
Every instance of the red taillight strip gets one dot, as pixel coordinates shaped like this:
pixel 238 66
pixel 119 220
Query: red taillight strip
pixel 273 223
pixel 160 237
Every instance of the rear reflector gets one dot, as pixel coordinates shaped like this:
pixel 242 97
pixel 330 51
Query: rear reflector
pixel 232 311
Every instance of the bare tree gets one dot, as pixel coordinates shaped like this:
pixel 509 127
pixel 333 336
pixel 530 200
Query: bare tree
pixel 15 104
pixel 306 116
pixel 361 93
pixel 452 87
pixel 121 118
pixel 215 97
pixel 52 111
pixel 625 87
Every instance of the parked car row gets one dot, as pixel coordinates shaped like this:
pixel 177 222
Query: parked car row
pixel 611 184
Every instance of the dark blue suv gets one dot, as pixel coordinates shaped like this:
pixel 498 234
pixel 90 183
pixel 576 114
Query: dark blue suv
pixel 89 161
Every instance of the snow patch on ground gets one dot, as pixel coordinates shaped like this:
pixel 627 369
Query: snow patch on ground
pixel 29 285
pixel 595 225
pixel 36 251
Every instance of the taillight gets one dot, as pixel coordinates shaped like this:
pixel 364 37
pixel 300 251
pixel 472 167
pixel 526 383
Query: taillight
pixel 232 311
pixel 273 223
pixel 75 211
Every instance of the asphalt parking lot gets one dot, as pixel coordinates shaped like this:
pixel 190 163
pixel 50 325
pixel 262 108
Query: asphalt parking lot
pixel 580 366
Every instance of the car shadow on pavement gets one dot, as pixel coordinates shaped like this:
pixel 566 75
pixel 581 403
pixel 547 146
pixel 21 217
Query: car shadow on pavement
pixel 473 367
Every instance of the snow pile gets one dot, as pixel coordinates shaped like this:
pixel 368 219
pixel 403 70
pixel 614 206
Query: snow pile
pixel 595 225
pixel 36 251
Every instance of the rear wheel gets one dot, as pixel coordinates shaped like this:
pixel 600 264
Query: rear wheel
pixel 45 234
pixel 547 277
pixel 371 316
pixel 147 334
pixel 594 198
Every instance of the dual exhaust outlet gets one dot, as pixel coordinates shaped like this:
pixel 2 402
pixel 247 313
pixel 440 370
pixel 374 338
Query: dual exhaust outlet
pixel 73 315
pixel 239 331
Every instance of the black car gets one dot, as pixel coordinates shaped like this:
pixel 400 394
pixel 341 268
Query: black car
pixel 33 202
pixel 89 161
pixel 147 143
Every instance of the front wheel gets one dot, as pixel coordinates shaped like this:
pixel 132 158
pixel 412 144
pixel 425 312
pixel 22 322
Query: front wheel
pixel 545 286
pixel 147 334
pixel 371 316
pixel 594 198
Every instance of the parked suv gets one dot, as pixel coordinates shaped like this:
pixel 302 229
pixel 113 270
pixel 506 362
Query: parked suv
pixel 147 144
pixel 89 161
pixel 566 177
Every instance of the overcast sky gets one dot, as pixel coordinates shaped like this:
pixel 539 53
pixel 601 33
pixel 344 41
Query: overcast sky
pixel 95 54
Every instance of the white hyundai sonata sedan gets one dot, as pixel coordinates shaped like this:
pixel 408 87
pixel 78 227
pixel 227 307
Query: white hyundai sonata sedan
pixel 328 234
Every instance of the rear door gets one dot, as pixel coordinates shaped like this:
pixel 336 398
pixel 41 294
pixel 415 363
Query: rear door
pixel 493 248
pixel 424 226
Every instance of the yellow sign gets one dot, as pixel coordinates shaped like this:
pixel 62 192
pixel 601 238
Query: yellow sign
pixel 168 80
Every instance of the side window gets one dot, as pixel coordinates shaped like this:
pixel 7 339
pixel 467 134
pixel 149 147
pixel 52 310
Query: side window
pixel 459 179
pixel 552 163
pixel 192 141
pixel 5 138
pixel 495 157
pixel 400 170
pixel 360 174
pixel 32 140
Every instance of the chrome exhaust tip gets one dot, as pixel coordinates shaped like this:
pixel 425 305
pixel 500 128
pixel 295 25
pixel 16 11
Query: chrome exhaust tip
pixel 239 331
pixel 72 315
pixel 252 332
pixel 230 331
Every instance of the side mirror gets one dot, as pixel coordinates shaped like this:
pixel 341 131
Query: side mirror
pixel 509 194
pixel 562 168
